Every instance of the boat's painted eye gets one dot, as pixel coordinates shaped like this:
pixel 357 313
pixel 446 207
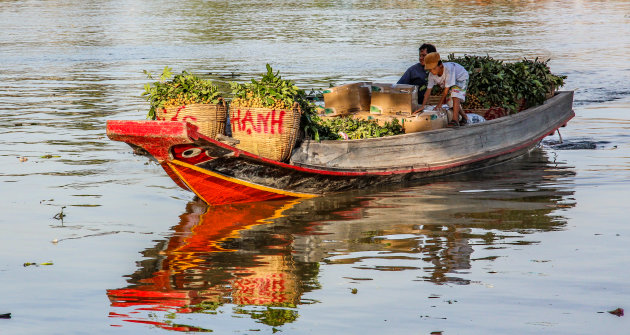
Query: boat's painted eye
pixel 192 152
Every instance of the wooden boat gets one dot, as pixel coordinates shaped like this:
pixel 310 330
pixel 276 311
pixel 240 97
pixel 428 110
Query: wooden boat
pixel 220 173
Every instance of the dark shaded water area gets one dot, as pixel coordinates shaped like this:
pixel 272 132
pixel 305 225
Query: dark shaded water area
pixel 96 240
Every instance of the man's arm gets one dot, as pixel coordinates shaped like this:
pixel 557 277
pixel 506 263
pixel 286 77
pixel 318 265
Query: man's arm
pixel 443 97
pixel 424 101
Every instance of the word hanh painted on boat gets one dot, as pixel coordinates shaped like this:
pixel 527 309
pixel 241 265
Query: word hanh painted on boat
pixel 269 122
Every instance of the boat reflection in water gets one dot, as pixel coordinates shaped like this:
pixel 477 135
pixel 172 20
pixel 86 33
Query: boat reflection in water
pixel 260 258
pixel 210 261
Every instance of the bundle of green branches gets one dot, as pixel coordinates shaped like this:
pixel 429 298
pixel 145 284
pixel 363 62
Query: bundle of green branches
pixel 493 83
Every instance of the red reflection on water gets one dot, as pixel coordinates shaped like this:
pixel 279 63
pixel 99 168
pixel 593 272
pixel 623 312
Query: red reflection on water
pixel 187 278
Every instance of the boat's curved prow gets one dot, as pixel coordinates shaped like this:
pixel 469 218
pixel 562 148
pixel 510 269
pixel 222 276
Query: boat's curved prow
pixel 155 137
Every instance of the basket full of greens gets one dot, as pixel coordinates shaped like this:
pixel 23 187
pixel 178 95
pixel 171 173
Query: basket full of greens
pixel 186 97
pixel 265 115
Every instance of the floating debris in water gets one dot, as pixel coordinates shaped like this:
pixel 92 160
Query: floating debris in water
pixel 617 312
pixel 357 278
pixel 36 264
pixel 577 144
pixel 22 159
pixel 60 215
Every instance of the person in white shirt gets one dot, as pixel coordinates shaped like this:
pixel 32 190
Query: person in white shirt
pixel 453 78
pixel 416 74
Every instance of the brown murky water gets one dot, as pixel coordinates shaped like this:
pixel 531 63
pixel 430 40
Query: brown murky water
pixel 535 246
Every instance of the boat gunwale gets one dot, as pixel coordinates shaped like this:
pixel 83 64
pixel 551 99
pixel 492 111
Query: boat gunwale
pixel 441 135
pixel 508 118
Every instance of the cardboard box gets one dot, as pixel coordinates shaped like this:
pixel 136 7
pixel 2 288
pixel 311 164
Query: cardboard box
pixel 424 121
pixel 347 99
pixel 394 99
pixel 411 124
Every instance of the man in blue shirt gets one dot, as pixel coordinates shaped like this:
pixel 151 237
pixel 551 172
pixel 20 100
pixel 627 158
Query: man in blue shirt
pixel 416 74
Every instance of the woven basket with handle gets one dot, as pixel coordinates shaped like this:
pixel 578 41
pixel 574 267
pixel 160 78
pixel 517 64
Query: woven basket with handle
pixel 266 132
pixel 210 118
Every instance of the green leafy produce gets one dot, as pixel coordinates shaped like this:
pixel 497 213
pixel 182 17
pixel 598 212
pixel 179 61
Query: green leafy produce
pixel 183 89
pixel 356 129
pixel 487 81
pixel 493 83
pixel 532 80
pixel 271 91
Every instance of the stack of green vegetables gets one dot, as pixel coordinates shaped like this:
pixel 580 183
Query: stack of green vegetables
pixel 355 129
pixel 513 86
pixel 271 91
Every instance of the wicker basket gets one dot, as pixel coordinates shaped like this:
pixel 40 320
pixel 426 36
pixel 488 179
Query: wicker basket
pixel 210 118
pixel 266 132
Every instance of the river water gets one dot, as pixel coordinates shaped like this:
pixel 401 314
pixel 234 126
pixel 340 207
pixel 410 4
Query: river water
pixel 95 240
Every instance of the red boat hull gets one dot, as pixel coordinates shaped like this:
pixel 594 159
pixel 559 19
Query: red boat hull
pixel 217 189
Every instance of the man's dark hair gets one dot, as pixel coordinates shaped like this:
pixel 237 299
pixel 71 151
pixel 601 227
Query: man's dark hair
pixel 429 47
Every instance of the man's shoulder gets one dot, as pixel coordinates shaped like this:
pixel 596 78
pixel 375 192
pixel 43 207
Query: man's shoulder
pixel 414 75
pixel 416 67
